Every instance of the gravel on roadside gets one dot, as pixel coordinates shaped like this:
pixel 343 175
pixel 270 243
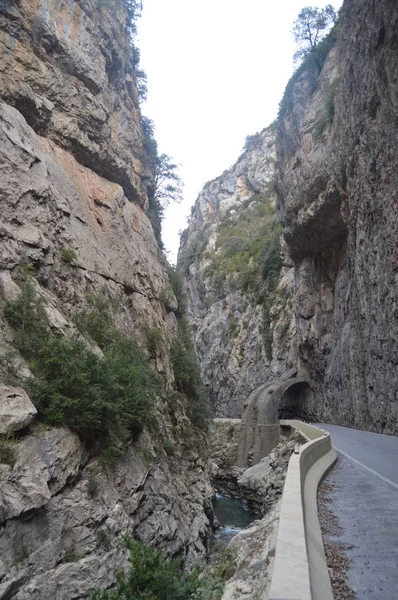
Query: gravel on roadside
pixel 336 558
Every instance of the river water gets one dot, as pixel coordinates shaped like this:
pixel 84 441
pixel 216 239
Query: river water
pixel 233 514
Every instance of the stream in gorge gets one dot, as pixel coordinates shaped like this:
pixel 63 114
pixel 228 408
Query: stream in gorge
pixel 233 515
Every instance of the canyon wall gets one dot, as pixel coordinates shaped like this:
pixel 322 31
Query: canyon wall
pixel 331 159
pixel 337 194
pixel 73 193
pixel 242 326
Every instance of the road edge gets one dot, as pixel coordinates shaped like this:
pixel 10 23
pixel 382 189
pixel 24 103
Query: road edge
pixel 300 569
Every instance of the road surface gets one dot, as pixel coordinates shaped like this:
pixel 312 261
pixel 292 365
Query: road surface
pixel 365 500
pixel 376 452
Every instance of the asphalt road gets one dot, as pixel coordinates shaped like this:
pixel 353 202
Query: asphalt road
pixel 376 452
pixel 364 497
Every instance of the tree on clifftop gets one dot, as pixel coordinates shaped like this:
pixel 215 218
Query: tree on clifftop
pixel 166 185
pixel 310 27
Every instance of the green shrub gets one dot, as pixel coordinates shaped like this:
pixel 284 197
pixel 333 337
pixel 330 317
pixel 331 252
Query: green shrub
pixel 193 252
pixel 24 272
pixel 98 321
pixel 150 577
pixel 248 247
pixel 220 568
pixel 188 377
pixel 329 103
pixel 102 399
pixel 270 255
pixel 311 65
pixel 91 395
pixel 169 446
pixel 176 281
pixel 8 452
pixel 252 142
pixel 68 255
pixel 155 340
pixel 27 317
pixel 328 116
pixel 320 126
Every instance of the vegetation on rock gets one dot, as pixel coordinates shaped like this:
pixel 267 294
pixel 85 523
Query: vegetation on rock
pixel 103 399
pixel 310 27
pixel 68 255
pixel 248 247
pixel 152 576
pixel 311 65
pixel 8 451
pixel 166 185
pixel 186 369
pixel 328 116
pixel 188 376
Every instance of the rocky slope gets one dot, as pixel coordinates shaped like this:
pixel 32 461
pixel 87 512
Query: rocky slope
pixel 73 175
pixel 336 184
pixel 241 325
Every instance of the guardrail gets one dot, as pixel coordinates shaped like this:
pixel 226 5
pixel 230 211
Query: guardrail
pixel 300 571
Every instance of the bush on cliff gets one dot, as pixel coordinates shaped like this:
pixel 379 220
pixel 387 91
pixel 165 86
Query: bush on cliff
pixel 311 65
pixel 98 398
pixel 247 247
pixel 188 376
pixel 151 577
pixel 103 399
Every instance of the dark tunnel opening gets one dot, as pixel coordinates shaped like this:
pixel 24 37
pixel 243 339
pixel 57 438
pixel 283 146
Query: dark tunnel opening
pixel 295 402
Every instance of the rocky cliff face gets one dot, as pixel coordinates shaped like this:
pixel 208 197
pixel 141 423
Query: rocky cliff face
pixel 73 200
pixel 335 169
pixel 337 184
pixel 242 327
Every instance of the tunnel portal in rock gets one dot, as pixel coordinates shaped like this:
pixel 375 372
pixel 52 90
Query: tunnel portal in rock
pixel 289 398
pixel 295 401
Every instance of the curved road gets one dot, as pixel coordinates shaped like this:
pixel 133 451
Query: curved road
pixel 375 452
pixel 365 500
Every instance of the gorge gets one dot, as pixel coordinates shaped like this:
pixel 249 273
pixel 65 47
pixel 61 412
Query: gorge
pixel 290 270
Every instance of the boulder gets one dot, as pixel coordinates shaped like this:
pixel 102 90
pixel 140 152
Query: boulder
pixel 16 409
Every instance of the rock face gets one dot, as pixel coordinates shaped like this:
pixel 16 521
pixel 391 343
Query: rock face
pixel 69 70
pixel 253 550
pixel 73 197
pixel 242 328
pixel 335 166
pixel 62 518
pixel 16 410
pixel 261 484
pixel 338 201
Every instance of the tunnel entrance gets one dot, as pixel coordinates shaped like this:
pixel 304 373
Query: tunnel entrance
pixel 295 402
pixel 291 398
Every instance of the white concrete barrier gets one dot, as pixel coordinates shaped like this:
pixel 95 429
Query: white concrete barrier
pixel 300 571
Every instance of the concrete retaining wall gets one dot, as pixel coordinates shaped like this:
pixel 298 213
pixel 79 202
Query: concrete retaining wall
pixel 300 571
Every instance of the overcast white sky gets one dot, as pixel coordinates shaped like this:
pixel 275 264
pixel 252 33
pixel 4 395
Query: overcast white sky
pixel 216 72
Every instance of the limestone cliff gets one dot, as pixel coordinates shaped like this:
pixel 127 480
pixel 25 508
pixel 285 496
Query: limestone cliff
pixel 337 182
pixel 334 169
pixel 239 290
pixel 73 176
